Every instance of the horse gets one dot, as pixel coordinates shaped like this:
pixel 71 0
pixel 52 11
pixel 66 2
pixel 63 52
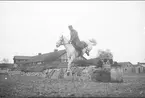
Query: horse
pixel 72 53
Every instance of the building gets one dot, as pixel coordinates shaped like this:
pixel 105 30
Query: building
pixel 127 67
pixel 41 58
pixel 20 59
pixel 139 68
pixel 5 66
pixel 55 59
pixel 142 64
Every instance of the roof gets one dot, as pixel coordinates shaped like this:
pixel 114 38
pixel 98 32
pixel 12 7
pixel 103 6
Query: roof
pixel 141 63
pixel 138 65
pixel 125 63
pixel 22 57
pixel 48 57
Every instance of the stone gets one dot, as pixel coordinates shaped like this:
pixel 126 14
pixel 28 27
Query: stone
pixel 61 73
pixel 101 76
pixel 116 74
pixel 56 74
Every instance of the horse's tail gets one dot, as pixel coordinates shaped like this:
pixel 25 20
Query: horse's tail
pixel 93 42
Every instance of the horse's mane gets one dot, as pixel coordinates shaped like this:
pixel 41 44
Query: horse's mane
pixel 65 38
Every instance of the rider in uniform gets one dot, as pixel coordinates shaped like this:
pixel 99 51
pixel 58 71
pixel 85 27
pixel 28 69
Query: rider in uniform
pixel 79 45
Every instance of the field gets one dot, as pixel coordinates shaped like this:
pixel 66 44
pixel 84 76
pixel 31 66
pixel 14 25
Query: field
pixel 21 86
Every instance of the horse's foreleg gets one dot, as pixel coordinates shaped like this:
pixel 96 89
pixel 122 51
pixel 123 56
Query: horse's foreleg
pixel 70 65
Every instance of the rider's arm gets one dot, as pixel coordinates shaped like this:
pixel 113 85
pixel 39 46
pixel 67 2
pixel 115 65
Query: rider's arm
pixel 72 36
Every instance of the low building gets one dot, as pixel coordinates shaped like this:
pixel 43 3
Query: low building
pixel 55 59
pixel 19 59
pixel 41 58
pixel 127 67
pixel 139 68
pixel 4 66
pixel 141 64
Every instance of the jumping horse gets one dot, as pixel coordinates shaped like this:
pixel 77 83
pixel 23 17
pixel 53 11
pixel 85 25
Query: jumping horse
pixel 72 53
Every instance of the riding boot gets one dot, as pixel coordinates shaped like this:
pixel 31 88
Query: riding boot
pixel 80 53
pixel 87 53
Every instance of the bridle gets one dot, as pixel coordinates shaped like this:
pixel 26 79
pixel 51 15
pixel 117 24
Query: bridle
pixel 62 40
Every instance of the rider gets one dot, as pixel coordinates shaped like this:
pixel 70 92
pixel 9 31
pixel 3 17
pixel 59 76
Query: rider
pixel 79 45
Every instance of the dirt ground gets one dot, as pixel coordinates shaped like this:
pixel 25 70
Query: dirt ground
pixel 18 86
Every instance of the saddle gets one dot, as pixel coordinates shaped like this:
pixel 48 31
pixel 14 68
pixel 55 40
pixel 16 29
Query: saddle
pixel 79 46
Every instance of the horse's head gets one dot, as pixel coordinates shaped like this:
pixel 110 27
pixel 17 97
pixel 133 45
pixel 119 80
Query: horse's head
pixel 60 41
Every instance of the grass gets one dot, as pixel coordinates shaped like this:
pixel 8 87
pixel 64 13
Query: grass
pixel 33 86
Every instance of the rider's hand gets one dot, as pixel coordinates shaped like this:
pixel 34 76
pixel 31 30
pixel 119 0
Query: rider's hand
pixel 69 42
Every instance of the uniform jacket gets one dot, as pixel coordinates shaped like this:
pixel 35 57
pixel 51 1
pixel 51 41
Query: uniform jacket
pixel 74 36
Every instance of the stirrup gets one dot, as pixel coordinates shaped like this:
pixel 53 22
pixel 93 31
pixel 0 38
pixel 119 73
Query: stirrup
pixel 87 53
pixel 67 73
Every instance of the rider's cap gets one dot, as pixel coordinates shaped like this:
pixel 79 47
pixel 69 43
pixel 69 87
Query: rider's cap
pixel 70 26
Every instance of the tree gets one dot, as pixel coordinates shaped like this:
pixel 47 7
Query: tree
pixel 105 55
pixel 39 53
pixel 5 60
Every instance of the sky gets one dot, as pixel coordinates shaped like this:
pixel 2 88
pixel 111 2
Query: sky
pixel 31 27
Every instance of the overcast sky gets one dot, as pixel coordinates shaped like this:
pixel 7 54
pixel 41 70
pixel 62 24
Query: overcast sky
pixel 32 27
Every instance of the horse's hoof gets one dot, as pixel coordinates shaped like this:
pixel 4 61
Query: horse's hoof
pixel 67 73
pixel 87 53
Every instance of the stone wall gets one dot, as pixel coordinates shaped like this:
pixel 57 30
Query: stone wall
pixel 101 76
pixel 108 74
pixel 90 73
